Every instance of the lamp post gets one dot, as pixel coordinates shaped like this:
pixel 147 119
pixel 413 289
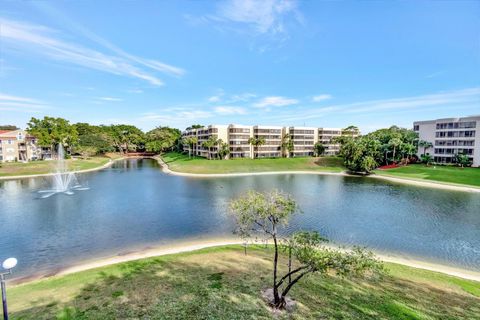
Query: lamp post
pixel 8 265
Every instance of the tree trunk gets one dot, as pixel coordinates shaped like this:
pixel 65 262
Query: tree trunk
pixel 290 285
pixel 275 263
pixel 289 264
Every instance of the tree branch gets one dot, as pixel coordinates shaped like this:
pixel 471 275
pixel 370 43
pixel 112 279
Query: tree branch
pixel 290 285
pixel 290 274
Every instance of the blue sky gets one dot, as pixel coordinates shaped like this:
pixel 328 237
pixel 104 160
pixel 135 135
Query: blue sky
pixel 318 63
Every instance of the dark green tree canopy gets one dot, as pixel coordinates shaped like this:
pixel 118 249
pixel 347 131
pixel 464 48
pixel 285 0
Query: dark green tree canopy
pixel 162 139
pixel 52 131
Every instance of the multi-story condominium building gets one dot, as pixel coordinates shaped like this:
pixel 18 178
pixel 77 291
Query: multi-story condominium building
pixel 450 137
pixel 326 137
pixel 203 135
pixel 237 137
pixel 303 138
pixel 17 145
pixel 273 141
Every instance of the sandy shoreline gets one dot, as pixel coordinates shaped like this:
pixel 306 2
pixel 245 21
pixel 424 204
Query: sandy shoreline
pixel 202 244
pixel 427 184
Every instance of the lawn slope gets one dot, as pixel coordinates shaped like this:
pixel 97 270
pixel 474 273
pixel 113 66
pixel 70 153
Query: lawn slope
pixel 223 283
pixel 182 163
pixel 448 174
pixel 9 169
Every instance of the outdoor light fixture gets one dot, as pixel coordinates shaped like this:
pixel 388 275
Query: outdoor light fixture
pixel 8 265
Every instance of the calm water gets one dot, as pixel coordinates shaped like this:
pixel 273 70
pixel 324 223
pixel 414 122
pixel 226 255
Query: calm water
pixel 134 205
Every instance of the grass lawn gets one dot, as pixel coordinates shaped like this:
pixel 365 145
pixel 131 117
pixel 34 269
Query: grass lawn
pixel 223 283
pixel 40 167
pixel 182 163
pixel 468 176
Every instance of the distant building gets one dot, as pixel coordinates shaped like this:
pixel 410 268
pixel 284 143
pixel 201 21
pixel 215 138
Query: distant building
pixel 18 145
pixel 237 136
pixel 450 137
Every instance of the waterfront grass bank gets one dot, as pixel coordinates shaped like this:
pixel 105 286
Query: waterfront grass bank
pixel 444 174
pixel 223 283
pixel 13 170
pixel 179 162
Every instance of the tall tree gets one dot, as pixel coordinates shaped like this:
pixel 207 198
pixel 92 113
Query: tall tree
pixel 351 130
pixel 9 127
pixel 191 142
pixel 319 149
pixel 223 149
pixel 256 142
pixel 126 137
pixel 210 143
pixel 425 145
pixel 50 132
pixel 162 139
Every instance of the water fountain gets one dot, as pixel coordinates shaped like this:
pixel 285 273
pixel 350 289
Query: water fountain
pixel 63 181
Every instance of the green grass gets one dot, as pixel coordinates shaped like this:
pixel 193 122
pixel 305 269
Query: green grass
pixel 42 167
pixel 182 163
pixel 448 174
pixel 223 283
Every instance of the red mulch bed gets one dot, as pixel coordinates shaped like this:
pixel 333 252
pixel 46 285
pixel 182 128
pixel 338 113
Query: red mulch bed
pixel 390 166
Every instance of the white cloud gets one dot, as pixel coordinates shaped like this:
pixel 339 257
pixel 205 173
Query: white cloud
pixel 243 97
pixel 110 99
pixel 275 101
pixel 321 97
pixel 214 99
pixel 263 16
pixel 21 104
pixel 442 100
pixel 230 110
pixel 135 91
pixel 45 41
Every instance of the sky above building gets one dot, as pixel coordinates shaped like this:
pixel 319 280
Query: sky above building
pixel 315 63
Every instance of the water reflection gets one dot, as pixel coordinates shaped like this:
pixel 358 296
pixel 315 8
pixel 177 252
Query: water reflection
pixel 133 205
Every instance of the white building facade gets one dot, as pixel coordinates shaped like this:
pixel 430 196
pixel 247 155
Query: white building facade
pixel 237 137
pixel 449 137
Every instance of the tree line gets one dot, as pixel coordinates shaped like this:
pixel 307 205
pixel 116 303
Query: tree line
pixel 388 146
pixel 87 140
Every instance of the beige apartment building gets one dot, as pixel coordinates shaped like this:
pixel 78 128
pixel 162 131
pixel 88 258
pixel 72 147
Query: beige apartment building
pixel 449 137
pixel 17 145
pixel 237 137
pixel 303 138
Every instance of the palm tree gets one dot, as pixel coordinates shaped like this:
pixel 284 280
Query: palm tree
pixel 395 142
pixel 223 150
pixel 285 139
pixel 425 145
pixel 385 150
pixel 256 142
pixel 427 159
pixel 209 144
pixel 287 145
pixel 409 149
pixel 190 141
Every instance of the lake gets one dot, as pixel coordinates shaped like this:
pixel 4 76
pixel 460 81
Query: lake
pixel 133 205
